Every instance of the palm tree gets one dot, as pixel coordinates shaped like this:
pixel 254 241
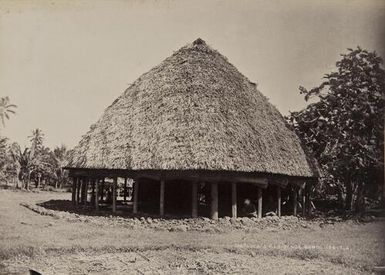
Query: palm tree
pixel 5 109
pixel 36 140
pixel 60 154
pixel 24 160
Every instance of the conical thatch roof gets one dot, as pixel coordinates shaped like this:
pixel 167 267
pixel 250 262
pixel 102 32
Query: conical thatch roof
pixel 194 111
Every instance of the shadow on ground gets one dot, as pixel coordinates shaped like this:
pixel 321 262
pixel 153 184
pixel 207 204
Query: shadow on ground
pixel 105 210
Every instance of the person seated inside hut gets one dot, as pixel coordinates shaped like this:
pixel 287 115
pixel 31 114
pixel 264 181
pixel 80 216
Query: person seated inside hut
pixel 248 209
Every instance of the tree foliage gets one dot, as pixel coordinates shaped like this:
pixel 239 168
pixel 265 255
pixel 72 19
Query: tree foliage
pixel 36 140
pixel 60 155
pixel 344 127
pixel 6 164
pixel 3 157
pixel 6 108
pixel 37 163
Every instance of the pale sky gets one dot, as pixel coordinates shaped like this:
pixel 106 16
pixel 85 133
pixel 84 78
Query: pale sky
pixel 64 62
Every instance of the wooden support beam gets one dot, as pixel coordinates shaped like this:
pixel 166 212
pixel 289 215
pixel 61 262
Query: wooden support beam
pixel 84 181
pixel 114 185
pixel 194 200
pixel 234 199
pixel 161 198
pixel 102 190
pixel 96 194
pixel 279 201
pixel 82 190
pixel 78 183
pixel 303 195
pixel 135 198
pixel 259 202
pixel 74 179
pixel 214 201
pixel 93 190
pixel 125 190
pixel 295 201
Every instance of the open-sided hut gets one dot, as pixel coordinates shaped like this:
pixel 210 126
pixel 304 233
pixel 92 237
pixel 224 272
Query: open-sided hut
pixel 195 135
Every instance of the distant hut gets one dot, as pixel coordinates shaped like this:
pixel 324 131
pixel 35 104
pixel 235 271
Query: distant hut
pixel 196 138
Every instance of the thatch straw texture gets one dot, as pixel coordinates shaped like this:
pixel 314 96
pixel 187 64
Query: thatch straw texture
pixel 193 111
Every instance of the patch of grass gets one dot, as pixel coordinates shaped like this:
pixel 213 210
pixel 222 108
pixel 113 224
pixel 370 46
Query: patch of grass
pixel 346 244
pixel 341 258
pixel 306 254
pixel 18 251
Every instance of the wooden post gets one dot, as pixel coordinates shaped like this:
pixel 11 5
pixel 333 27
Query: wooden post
pixel 234 199
pixel 74 190
pixel 295 201
pixel 194 198
pixel 82 191
pixel 161 199
pixel 93 190
pixel 102 190
pixel 279 201
pixel 125 190
pixel 96 197
pixel 303 194
pixel 135 198
pixel 86 181
pixel 114 194
pixel 80 195
pixel 79 186
pixel 214 201
pixel 259 202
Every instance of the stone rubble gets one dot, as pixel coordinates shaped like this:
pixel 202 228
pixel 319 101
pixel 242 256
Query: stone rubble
pixel 202 224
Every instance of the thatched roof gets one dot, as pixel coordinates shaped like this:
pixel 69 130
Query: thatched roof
pixel 194 111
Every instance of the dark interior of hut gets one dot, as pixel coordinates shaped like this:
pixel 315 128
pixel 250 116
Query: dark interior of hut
pixel 178 198
pixel 149 193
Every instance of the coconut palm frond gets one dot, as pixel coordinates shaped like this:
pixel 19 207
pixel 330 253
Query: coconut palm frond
pixel 6 109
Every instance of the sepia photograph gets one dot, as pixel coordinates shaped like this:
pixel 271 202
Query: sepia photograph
pixel 192 137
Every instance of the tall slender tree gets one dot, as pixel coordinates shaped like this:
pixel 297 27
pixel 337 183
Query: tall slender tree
pixel 24 163
pixel 6 108
pixel 36 140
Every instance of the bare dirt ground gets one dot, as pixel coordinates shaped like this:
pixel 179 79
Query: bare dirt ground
pixel 57 242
